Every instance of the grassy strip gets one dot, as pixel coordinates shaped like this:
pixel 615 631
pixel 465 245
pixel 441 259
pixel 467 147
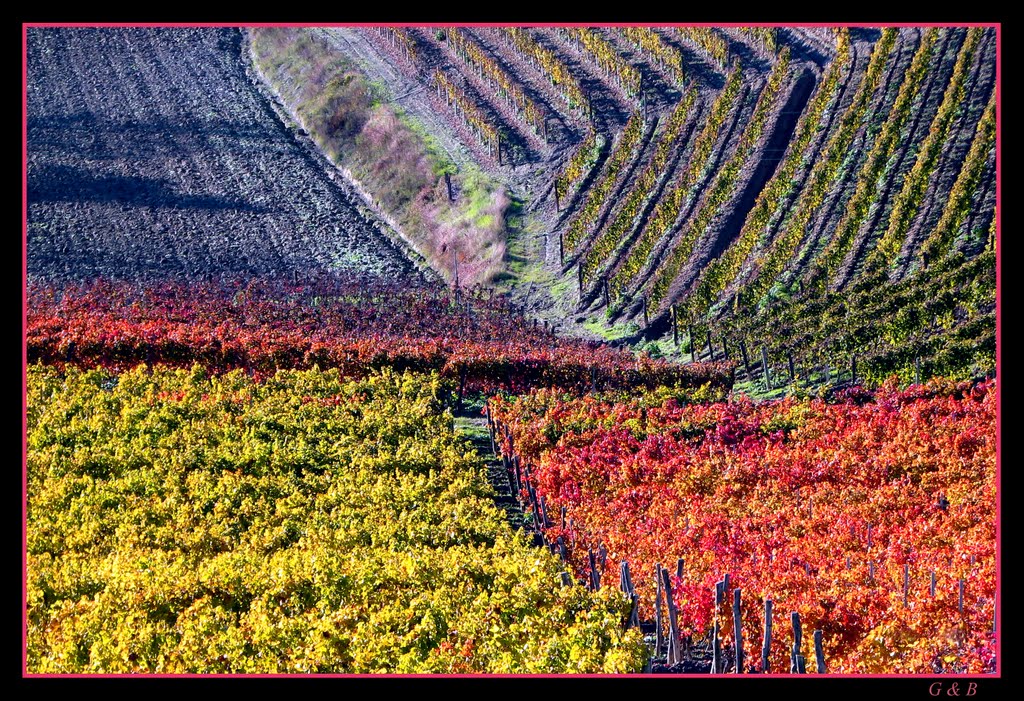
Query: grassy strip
pixel 387 155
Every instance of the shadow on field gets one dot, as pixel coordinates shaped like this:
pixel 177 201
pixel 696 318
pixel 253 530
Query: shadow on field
pixel 107 139
pixel 60 183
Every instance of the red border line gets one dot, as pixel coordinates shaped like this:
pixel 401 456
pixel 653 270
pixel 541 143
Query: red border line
pixel 999 389
pixel 724 25
pixel 24 347
pixel 25 228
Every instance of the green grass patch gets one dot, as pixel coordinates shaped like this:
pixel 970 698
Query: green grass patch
pixel 562 289
pixel 609 333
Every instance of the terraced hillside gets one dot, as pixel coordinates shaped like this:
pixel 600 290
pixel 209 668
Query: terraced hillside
pixel 152 153
pixel 824 195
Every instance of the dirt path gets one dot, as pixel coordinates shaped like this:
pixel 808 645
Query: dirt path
pixel 472 426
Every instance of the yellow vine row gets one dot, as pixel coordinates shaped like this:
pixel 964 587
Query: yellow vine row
pixel 725 181
pixel 824 173
pixel 712 45
pixel 622 154
pixel 859 204
pixel 506 86
pixel 549 64
pixel 607 57
pixel 651 43
pixel 642 190
pixel 671 204
pixel 911 195
pixel 470 113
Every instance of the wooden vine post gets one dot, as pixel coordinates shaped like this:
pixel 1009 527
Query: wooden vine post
pixel 643 98
pixel 535 505
pixel 462 387
pixel 716 650
pixel 717 663
pixel 490 431
pixel 674 654
pixel 767 645
pixel 684 644
pixel 516 475
pixel 995 616
pixel 659 638
pixel 796 660
pixel 819 653
pixel 455 258
pixel 626 585
pixel 737 629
